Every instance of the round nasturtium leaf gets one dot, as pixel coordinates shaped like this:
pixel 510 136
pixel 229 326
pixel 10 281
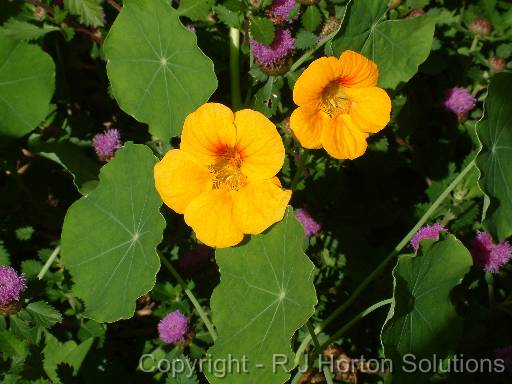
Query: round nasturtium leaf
pixel 110 236
pixel 397 46
pixel 423 321
pixel 266 293
pixel 27 80
pixel 157 72
pixel 495 158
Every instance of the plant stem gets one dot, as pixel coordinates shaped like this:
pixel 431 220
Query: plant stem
pixel 48 263
pixel 191 296
pixel 299 174
pixel 115 5
pixel 474 43
pixel 234 68
pixel 355 320
pixel 380 268
pixel 325 370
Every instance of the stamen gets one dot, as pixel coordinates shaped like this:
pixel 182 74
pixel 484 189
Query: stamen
pixel 334 100
pixel 226 171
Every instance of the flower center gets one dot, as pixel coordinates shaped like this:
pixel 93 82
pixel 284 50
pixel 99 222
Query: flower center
pixel 334 100
pixel 226 171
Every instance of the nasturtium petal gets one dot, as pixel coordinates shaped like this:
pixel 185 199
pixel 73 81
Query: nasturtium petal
pixel 495 157
pixel 260 204
pixel 398 47
pixel 208 131
pixel 342 140
pixel 265 295
pixel 211 216
pixel 370 108
pixel 173 179
pixel 307 125
pixel 27 80
pixel 259 143
pixel 423 321
pixel 157 72
pixel 110 236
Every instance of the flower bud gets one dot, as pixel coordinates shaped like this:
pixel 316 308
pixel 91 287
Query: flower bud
pixel 12 285
pixel 415 13
pixel 394 4
pixel 39 13
pixel 481 26
pixel 330 26
pixel 497 64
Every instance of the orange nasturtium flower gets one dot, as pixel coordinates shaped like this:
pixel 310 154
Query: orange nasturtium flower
pixel 223 176
pixel 339 105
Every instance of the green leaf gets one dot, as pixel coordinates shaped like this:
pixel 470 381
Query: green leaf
pixel 69 353
pixel 110 236
pixel 89 11
pixel 4 255
pixel 266 293
pixel 305 39
pixel 495 157
pixel 185 376
pixel 195 9
pixel 311 18
pixel 228 17
pixel 267 97
pixel 397 46
pixel 262 30
pixel 157 72
pixel 11 346
pixel 43 314
pixel 27 79
pixel 24 233
pixel 21 327
pixel 71 157
pixel 23 30
pixel 31 267
pixel 423 320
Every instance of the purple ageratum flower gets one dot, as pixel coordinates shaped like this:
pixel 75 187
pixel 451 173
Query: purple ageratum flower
pixel 282 45
pixel 12 285
pixel 311 227
pixel 459 101
pixel 105 144
pixel 489 256
pixel 280 9
pixel 505 354
pixel 173 327
pixel 427 232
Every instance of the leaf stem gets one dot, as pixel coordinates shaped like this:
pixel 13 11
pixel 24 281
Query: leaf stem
pixel 193 299
pixel 234 68
pixel 299 174
pixel 474 43
pixel 380 268
pixel 327 373
pixel 115 5
pixel 48 263
pixel 356 319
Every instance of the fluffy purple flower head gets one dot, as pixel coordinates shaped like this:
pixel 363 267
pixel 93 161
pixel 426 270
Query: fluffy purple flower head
pixel 427 232
pixel 173 327
pixel 280 9
pixel 12 285
pixel 489 256
pixel 282 45
pixel 105 144
pixel 505 354
pixel 459 101
pixel 311 227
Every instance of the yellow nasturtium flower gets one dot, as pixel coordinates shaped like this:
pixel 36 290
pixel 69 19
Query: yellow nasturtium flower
pixel 223 176
pixel 339 105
